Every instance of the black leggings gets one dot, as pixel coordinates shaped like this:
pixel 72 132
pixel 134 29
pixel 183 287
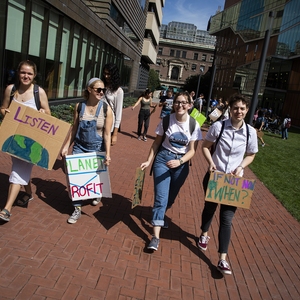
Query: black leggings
pixel 144 117
pixel 226 215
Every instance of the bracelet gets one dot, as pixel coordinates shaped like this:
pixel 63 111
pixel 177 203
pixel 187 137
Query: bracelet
pixel 241 167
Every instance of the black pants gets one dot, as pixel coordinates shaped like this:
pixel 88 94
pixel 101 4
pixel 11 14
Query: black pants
pixel 144 117
pixel 226 216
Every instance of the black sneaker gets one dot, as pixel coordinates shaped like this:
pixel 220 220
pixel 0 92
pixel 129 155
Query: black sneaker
pixel 153 243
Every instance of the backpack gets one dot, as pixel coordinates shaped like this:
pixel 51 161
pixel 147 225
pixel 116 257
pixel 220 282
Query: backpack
pixel 288 123
pixel 213 147
pixel 104 107
pixel 166 121
pixel 35 93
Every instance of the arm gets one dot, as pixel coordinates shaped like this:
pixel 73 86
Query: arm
pixel 154 148
pixel 107 134
pixel 6 100
pixel 137 103
pixel 71 136
pixel 248 159
pixel 118 114
pixel 151 104
pixel 174 163
pixel 206 145
pixel 44 102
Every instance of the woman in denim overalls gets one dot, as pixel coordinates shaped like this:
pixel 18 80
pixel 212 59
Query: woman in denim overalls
pixel 91 130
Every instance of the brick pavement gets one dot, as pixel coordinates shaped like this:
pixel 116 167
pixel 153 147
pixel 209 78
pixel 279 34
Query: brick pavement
pixel 103 255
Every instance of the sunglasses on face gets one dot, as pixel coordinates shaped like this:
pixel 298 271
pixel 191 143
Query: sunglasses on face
pixel 99 90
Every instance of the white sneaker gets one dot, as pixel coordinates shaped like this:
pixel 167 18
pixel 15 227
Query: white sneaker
pixel 75 215
pixel 96 201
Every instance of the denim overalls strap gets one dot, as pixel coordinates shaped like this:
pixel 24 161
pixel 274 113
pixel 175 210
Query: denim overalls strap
pixel 87 139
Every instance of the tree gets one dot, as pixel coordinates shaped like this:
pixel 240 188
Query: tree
pixel 192 82
pixel 153 80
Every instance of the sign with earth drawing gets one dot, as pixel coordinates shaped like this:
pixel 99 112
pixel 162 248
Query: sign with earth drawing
pixel 32 136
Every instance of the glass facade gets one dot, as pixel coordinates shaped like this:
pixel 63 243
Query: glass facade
pixel 66 54
pixel 289 38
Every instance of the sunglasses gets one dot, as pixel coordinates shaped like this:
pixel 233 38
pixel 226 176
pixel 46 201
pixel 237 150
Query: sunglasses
pixel 99 90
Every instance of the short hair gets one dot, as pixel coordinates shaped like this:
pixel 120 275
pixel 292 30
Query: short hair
pixel 185 95
pixel 238 97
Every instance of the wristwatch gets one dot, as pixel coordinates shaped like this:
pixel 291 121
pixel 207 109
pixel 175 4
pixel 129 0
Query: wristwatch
pixel 181 161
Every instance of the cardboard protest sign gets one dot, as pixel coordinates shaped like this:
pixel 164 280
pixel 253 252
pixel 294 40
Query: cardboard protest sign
pixel 138 187
pixel 88 176
pixel 229 189
pixel 32 136
pixel 215 114
pixel 198 116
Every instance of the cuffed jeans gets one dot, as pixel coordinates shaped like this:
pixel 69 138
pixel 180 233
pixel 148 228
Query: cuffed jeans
pixel 226 216
pixel 167 183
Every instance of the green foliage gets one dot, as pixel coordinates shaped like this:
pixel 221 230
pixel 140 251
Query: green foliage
pixel 191 84
pixel 276 165
pixel 153 80
pixel 129 101
pixel 63 112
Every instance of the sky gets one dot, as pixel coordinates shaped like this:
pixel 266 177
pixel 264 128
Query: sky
pixel 195 12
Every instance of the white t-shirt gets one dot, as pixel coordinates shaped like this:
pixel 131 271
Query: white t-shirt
pixel 178 135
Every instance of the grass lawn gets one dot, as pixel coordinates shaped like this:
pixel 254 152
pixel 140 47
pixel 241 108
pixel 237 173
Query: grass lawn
pixel 277 166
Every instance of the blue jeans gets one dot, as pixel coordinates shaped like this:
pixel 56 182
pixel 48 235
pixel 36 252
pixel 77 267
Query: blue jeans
pixel 167 183
pixel 284 133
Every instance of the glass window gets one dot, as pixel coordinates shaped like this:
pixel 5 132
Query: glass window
pixel 183 55
pixel 63 59
pixel 37 19
pixel 160 51
pixel 196 56
pixel 178 53
pixel 172 52
pixel 204 56
pixel 194 67
pixel 15 19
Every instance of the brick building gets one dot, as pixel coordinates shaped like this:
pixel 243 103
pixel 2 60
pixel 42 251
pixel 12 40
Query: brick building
pixel 182 51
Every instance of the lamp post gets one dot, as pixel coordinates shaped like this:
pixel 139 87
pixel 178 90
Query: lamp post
pixel 199 79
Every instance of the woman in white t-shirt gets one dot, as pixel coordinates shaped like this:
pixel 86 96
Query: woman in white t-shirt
pixel 173 148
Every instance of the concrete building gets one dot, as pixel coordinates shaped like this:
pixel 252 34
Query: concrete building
pixel 241 30
pixel 182 52
pixel 70 41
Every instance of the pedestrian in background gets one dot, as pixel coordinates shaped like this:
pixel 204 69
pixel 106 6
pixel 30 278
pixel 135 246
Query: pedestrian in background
pixel 234 151
pixel 145 100
pixel 91 131
pixel 21 170
pixel 114 96
pixel 173 148
pixel 286 124
pixel 166 103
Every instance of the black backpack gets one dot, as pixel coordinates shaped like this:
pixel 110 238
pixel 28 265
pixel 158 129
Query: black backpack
pixel 35 93
pixel 213 147
pixel 166 121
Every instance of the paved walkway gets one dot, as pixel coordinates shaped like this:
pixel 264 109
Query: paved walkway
pixel 103 255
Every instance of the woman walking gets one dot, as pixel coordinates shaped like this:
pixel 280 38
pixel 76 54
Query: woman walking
pixel 174 146
pixel 23 93
pixel 91 130
pixel 144 114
